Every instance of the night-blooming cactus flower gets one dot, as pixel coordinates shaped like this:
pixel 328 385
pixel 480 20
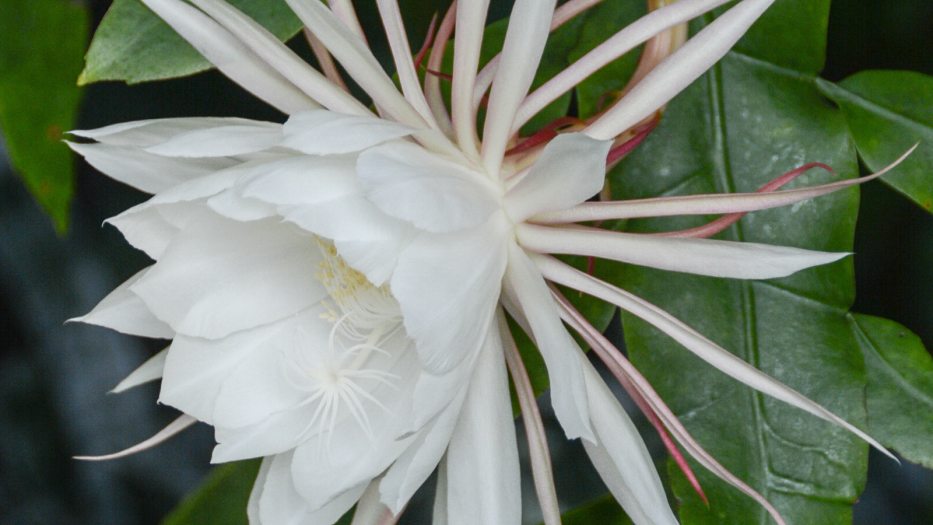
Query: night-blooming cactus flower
pixel 337 287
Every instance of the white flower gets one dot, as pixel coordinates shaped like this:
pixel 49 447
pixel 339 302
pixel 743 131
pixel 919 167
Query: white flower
pixel 336 287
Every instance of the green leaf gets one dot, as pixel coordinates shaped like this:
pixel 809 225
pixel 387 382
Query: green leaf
pixel 41 42
pixel 888 112
pixel 134 45
pixel 221 498
pixel 603 510
pixel 599 23
pixel 900 387
pixel 753 117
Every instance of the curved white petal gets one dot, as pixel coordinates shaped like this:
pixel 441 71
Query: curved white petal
pixel 329 133
pixel 412 468
pixel 702 204
pixel 447 287
pixel 621 457
pixel 528 290
pixel 285 61
pixel 436 195
pixel 221 141
pixel 123 311
pixel 219 276
pixel 145 133
pixel 230 56
pixel 281 504
pixel 483 481
pixel 679 70
pixel 150 370
pixel 145 171
pixel 468 39
pixel 692 340
pixel 351 51
pixel 402 55
pixel 196 368
pixel 571 169
pixel 529 26
pixel 620 43
pixel 737 260
pixel 182 422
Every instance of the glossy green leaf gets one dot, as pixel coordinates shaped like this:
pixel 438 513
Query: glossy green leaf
pixel 888 112
pixel 41 42
pixel 900 387
pixel 134 45
pixel 221 498
pixel 752 118
pixel 603 510
pixel 598 24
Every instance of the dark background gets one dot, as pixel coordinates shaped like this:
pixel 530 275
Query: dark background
pixel 54 377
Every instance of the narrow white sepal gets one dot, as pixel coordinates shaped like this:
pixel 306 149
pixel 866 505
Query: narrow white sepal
pixel 679 70
pixel 182 422
pixel 693 341
pixel 150 370
pixel 715 258
pixel 230 56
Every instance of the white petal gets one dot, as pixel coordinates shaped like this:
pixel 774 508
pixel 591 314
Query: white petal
pixel 620 43
pixel 621 458
pixel 259 385
pixel 330 133
pixel 571 169
pixel 737 260
pixel 199 284
pixel 221 141
pixel 231 57
pixel 436 195
pixel 351 51
pixel 123 311
pixel 280 503
pixel 145 171
pixel 370 511
pixel 412 469
pixel 285 61
pixel 692 340
pixel 483 481
pixel 402 55
pixel 232 205
pixel 144 133
pixel 150 370
pixel 527 33
pixel 678 71
pixel 468 39
pixel 252 505
pixel 447 287
pixel 321 475
pixel 195 368
pixel 561 353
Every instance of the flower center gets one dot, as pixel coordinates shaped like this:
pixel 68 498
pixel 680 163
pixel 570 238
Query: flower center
pixel 339 379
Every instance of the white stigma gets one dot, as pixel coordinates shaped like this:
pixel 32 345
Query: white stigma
pixel 339 379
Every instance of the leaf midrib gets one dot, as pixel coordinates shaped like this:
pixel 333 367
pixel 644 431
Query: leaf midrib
pixel 725 180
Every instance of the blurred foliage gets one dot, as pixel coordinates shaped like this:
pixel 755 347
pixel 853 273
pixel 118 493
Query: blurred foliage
pixel 132 44
pixel 41 45
pixel 211 503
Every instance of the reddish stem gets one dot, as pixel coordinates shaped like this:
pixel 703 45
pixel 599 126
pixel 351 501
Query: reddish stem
pixel 603 347
pixel 428 41
pixel 544 135
pixel 712 228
